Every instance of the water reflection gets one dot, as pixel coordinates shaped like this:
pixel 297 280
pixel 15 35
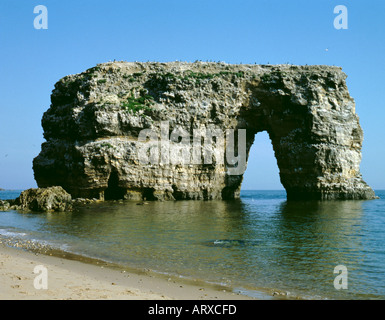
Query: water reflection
pixel 314 237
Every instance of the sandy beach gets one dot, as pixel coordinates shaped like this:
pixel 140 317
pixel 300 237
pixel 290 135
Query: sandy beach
pixel 75 280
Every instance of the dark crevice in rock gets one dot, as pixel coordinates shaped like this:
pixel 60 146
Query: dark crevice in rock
pixel 114 191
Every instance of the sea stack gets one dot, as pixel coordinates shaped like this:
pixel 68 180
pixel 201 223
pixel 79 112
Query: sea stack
pixel 95 124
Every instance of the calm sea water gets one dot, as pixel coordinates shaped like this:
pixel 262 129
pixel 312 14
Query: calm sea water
pixel 258 242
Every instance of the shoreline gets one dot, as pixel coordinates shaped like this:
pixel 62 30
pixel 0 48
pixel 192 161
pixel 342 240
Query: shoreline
pixel 124 282
pixel 71 279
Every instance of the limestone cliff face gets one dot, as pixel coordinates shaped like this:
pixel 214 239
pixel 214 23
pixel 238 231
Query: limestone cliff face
pixel 93 126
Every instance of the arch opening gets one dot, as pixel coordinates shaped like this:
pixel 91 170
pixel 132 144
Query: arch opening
pixel 262 171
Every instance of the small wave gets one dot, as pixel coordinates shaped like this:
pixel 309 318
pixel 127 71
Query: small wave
pixel 27 241
pixel 227 243
pixel 8 233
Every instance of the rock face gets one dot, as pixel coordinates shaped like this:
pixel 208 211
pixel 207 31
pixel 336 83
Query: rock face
pixel 94 126
pixel 4 205
pixel 44 200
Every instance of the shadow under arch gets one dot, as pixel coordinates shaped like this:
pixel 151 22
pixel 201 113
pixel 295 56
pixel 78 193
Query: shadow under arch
pixel 114 191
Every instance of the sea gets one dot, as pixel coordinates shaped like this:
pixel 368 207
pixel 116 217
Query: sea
pixel 260 245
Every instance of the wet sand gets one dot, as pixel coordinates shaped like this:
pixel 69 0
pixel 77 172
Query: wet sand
pixel 75 280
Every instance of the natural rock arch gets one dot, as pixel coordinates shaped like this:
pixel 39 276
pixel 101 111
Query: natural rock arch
pixel 96 117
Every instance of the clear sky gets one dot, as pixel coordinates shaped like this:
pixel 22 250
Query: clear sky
pixel 83 33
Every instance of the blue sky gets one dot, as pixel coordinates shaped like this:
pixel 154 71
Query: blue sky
pixel 83 33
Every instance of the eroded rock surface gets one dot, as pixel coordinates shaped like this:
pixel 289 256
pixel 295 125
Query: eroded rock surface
pixel 4 205
pixel 44 200
pixel 93 124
